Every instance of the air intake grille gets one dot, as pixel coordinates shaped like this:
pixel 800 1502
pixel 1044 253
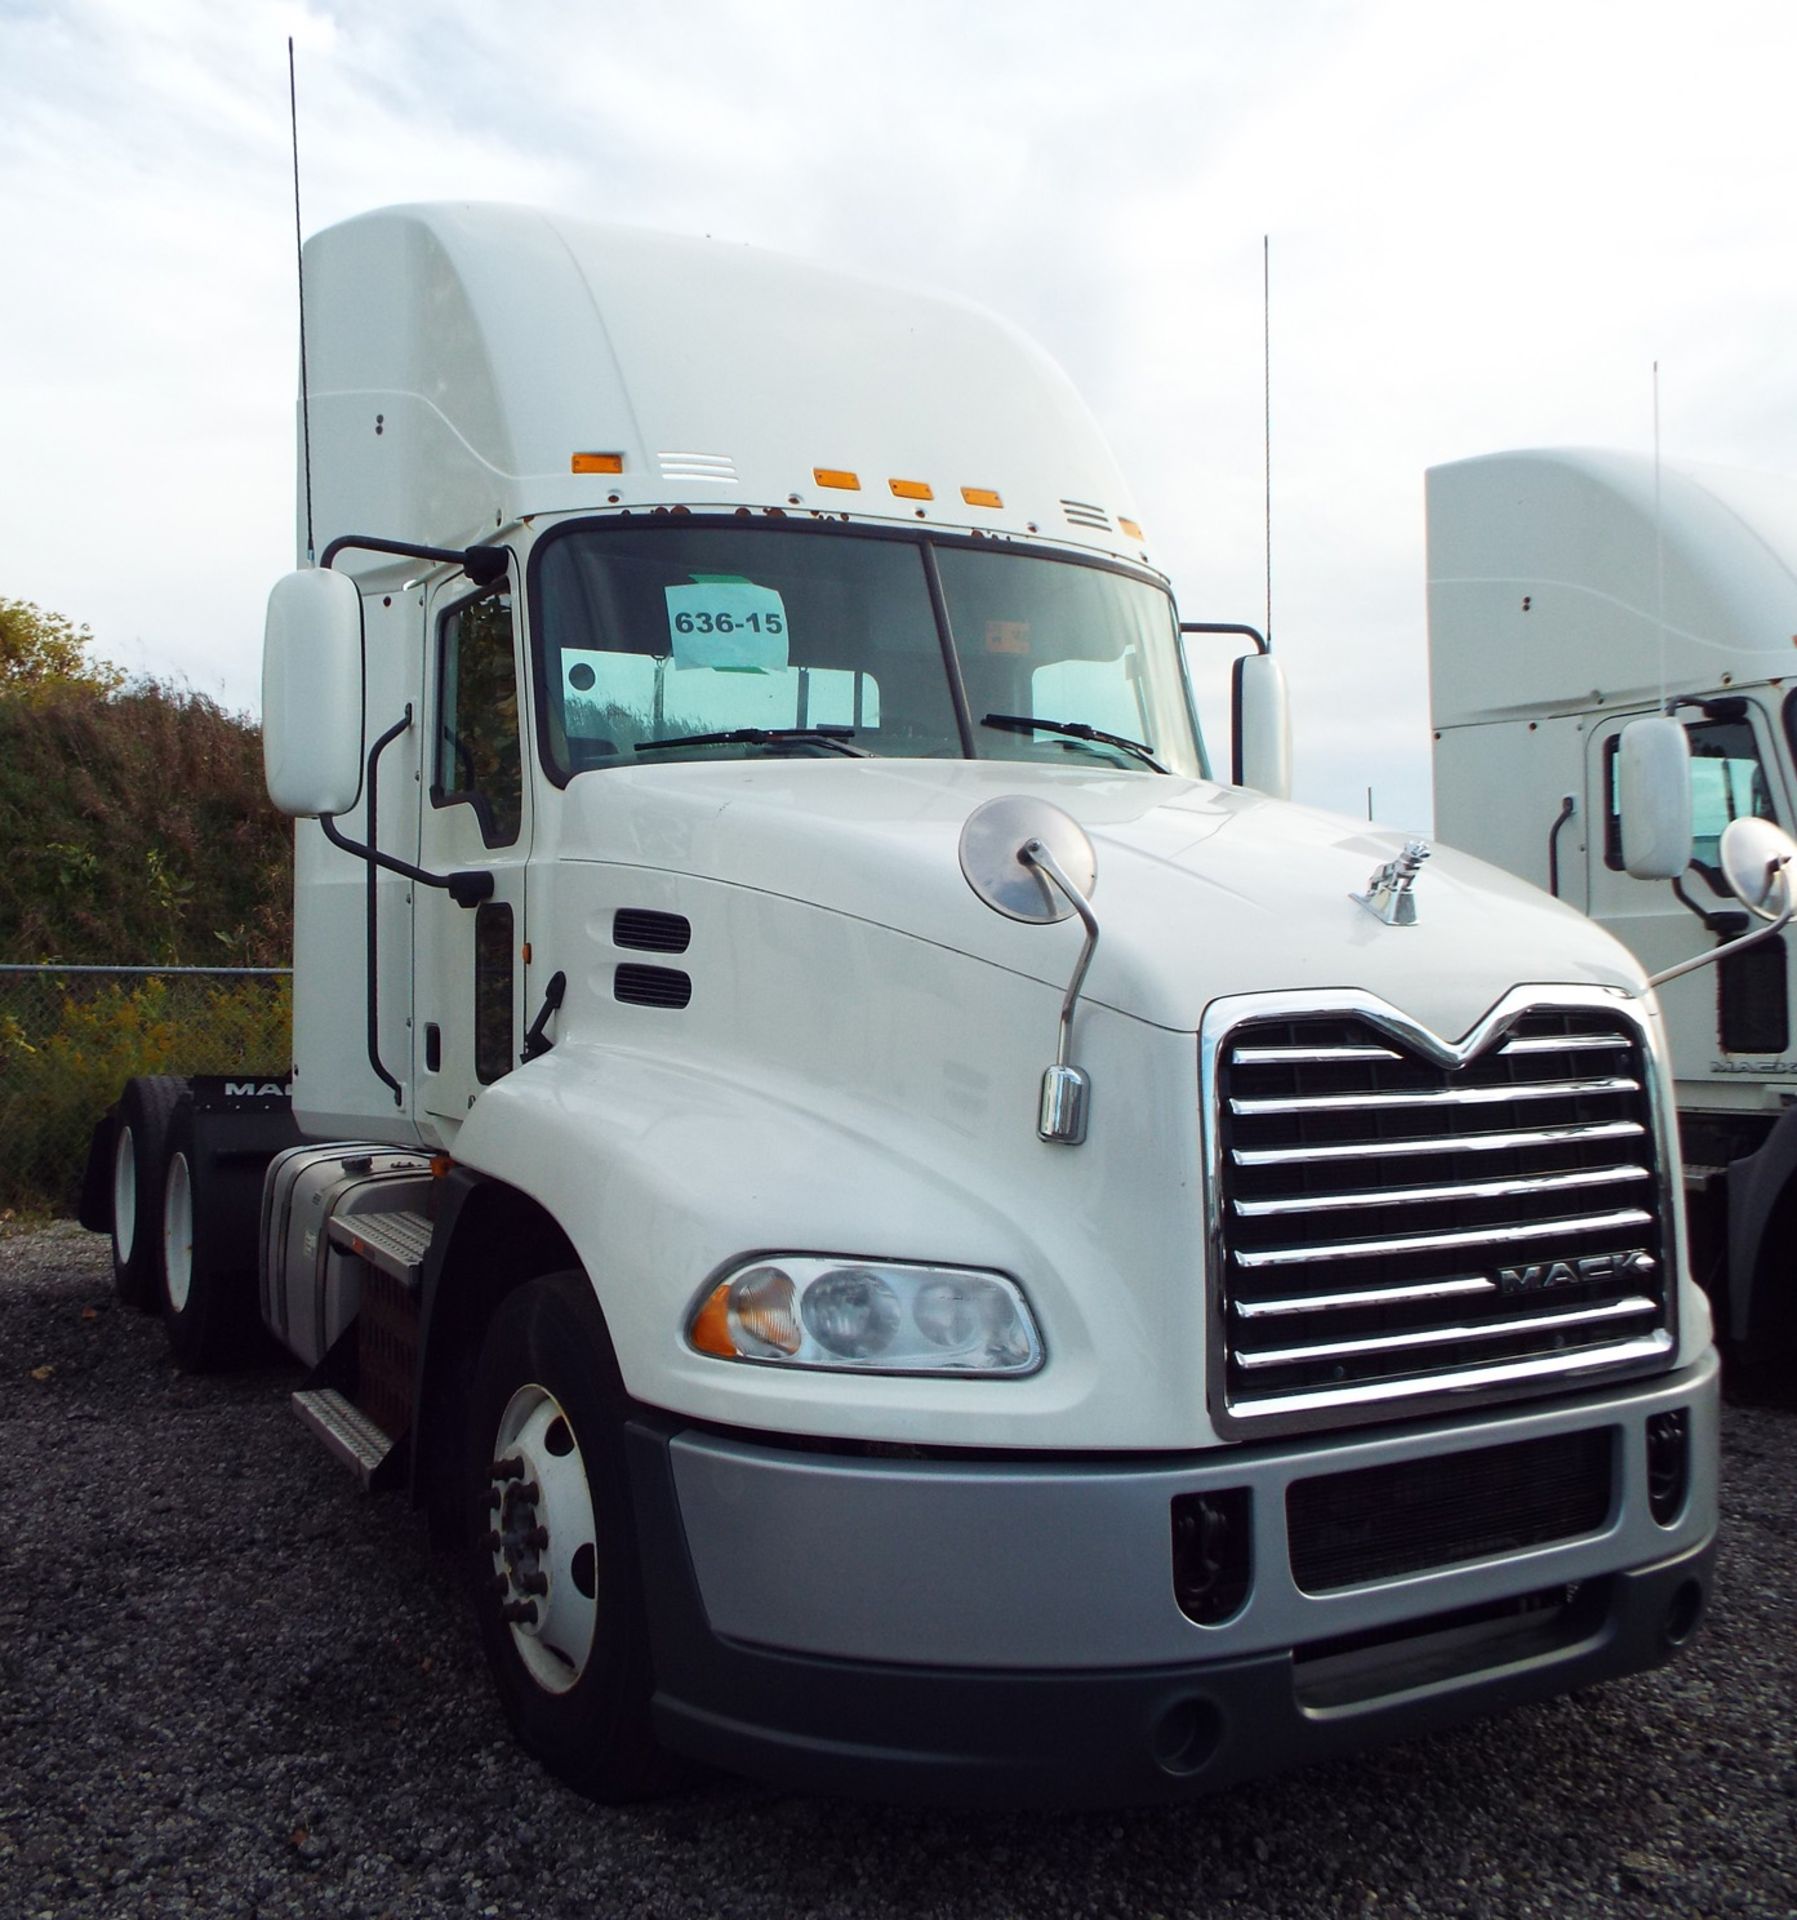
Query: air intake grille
pixel 1390 1227
pixel 651 932
pixel 1379 1523
pixel 698 466
pixel 640 986
pixel 1082 513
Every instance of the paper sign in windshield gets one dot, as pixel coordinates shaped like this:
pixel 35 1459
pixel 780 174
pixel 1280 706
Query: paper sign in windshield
pixel 729 623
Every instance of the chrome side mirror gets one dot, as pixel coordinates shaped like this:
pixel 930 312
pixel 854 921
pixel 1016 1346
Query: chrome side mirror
pixel 312 693
pixel 1653 797
pixel 1030 861
pixel 1260 711
pixel 1759 862
pixel 1756 858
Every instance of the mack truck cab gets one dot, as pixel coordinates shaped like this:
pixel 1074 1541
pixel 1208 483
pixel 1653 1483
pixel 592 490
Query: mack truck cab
pixel 918 1241
pixel 1575 593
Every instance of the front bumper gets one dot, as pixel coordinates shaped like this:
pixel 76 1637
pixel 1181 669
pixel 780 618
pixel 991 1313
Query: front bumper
pixel 1005 1631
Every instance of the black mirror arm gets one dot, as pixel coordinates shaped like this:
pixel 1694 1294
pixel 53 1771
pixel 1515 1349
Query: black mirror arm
pixel 536 1042
pixel 482 565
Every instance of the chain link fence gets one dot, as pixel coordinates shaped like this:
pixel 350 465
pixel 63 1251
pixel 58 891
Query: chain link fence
pixel 70 1037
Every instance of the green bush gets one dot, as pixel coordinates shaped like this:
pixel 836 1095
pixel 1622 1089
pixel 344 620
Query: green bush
pixel 68 1044
pixel 138 832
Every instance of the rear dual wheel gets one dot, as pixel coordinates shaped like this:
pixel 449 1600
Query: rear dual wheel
pixel 207 1283
pixel 146 1110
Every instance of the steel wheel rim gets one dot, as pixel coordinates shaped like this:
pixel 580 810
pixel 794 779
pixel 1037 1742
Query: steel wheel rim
pixel 124 1194
pixel 543 1546
pixel 177 1233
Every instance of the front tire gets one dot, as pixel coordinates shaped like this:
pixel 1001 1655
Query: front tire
pixel 146 1110
pixel 553 1561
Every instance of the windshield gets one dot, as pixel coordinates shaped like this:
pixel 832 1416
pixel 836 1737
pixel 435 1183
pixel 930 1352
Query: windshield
pixel 653 641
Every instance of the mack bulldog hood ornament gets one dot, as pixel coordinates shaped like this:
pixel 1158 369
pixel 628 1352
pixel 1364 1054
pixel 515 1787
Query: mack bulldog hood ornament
pixel 1388 895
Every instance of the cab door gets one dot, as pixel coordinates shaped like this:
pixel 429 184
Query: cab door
pixel 1731 1020
pixel 476 816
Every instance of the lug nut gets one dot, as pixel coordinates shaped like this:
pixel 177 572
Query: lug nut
pixel 510 1468
pixel 537 1539
pixel 534 1583
pixel 521 1613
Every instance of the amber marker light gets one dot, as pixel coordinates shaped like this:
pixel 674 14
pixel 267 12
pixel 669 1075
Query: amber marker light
pixel 710 1331
pixel 1129 527
pixel 912 489
pixel 981 496
pixel 598 463
pixel 839 477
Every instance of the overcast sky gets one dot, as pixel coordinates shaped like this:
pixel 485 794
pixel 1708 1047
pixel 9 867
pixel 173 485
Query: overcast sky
pixel 1486 224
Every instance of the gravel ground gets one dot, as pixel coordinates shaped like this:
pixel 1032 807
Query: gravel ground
pixel 229 1684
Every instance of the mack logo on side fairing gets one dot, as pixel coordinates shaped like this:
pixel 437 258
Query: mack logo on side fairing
pixel 1541 1275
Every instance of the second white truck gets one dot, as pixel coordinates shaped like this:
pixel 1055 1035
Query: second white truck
pixel 917 1241
pixel 1571 593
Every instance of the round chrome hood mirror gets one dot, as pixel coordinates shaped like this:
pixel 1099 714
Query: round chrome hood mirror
pixel 992 857
pixel 1755 856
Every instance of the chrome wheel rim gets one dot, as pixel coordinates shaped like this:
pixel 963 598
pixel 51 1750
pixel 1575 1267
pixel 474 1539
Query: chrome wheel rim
pixel 544 1554
pixel 177 1233
pixel 124 1194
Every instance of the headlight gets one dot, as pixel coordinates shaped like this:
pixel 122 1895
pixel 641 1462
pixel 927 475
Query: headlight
pixel 871 1315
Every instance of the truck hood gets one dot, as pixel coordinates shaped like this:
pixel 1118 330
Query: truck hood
pixel 1202 890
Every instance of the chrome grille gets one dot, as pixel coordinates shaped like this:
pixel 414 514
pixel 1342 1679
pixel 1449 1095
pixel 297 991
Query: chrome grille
pixel 1390 1227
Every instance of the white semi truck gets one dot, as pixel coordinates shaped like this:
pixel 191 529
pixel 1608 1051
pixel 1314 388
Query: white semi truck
pixel 918 1243
pixel 1572 592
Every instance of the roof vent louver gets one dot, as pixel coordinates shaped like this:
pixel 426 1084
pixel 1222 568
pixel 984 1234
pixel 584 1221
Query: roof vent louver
pixel 1081 513
pixel 699 466
pixel 640 986
pixel 651 932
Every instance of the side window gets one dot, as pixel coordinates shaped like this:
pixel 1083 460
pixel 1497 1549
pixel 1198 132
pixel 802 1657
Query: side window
pixel 477 746
pixel 1728 782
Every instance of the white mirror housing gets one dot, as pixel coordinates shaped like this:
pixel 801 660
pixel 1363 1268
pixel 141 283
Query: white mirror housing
pixel 312 693
pixel 1262 721
pixel 1653 798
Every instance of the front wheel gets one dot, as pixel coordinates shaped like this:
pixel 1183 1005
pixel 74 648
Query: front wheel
pixel 554 1566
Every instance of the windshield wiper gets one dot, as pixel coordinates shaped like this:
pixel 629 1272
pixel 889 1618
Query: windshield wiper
pixel 1075 730
pixel 837 739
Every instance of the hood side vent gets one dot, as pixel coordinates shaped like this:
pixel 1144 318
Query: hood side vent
pixel 640 986
pixel 648 931
pixel 1081 513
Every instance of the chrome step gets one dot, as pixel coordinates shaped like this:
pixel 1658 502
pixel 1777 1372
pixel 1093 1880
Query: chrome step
pixel 396 1243
pixel 346 1431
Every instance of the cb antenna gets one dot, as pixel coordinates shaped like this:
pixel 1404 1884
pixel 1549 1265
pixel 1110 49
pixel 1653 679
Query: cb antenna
pixel 300 263
pixel 1266 389
pixel 1659 540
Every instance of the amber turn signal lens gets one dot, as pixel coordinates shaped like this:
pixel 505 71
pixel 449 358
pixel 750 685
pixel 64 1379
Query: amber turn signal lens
pixel 1129 527
pixel 912 489
pixel 710 1331
pixel 598 463
pixel 981 497
pixel 839 477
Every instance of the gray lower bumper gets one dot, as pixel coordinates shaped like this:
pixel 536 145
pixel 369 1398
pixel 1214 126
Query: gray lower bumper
pixel 1054 1566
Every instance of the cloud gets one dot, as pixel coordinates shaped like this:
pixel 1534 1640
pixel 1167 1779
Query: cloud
pixel 1485 228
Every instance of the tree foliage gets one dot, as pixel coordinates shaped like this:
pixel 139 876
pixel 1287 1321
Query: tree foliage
pixel 135 822
pixel 44 654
